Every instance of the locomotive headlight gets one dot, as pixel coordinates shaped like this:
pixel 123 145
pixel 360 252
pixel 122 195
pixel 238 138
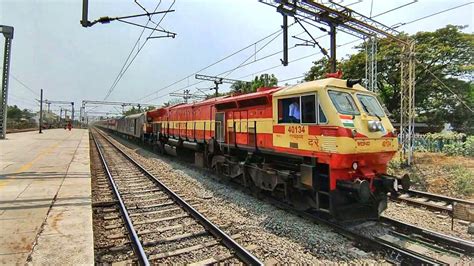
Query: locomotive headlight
pixel 355 165
pixel 379 126
pixel 374 126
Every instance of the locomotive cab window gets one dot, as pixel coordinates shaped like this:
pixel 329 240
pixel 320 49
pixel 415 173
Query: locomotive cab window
pixel 308 109
pixel 371 105
pixel 289 110
pixel 343 102
pixel 298 110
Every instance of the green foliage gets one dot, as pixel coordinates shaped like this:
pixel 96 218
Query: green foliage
pixel 264 80
pixel 447 52
pixel 15 113
pixel 460 148
pixel 463 179
pixel 18 119
pixel 449 143
pixel 134 110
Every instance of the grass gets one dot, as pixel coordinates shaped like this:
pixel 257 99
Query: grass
pixel 438 173
pixel 463 179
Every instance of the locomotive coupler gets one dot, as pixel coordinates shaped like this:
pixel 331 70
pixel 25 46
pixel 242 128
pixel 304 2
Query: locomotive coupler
pixel 360 187
pixel 390 183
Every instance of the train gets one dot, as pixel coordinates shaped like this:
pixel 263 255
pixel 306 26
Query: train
pixel 321 145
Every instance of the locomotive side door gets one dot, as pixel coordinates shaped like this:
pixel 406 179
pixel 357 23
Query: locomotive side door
pixel 220 126
pixel 243 139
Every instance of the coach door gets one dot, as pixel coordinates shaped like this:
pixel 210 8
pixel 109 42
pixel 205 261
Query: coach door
pixel 219 129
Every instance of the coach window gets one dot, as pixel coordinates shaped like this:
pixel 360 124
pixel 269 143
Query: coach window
pixel 289 110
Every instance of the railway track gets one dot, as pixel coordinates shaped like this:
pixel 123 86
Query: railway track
pixel 454 244
pixel 161 227
pixel 401 243
pixel 431 201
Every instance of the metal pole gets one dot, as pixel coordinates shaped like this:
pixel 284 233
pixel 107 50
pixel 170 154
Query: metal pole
pixel 332 35
pixel 41 112
pixel 72 113
pixel 284 61
pixel 80 117
pixel 85 6
pixel 8 34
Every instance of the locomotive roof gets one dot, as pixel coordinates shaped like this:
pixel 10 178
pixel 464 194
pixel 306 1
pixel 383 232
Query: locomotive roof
pixel 135 115
pixel 311 86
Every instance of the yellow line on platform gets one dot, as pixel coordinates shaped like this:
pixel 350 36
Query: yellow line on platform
pixel 28 165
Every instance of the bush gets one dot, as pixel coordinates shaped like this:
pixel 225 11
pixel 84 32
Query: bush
pixel 460 148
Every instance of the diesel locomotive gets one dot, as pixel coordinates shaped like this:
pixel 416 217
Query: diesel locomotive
pixel 322 145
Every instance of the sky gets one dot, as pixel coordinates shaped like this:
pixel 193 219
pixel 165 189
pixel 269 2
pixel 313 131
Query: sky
pixel 53 52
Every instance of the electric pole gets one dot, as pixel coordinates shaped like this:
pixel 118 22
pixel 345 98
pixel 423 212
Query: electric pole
pixel 217 81
pixel 8 34
pixel 41 112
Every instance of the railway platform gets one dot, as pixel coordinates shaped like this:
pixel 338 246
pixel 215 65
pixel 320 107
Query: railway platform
pixel 45 198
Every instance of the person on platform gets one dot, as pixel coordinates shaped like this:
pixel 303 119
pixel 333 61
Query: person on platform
pixel 294 111
pixel 69 125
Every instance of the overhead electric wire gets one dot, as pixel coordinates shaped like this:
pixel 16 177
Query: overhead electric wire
pixel 431 15
pixel 383 13
pixel 22 83
pixel 126 66
pixel 223 73
pixel 252 55
pixel 446 86
pixel 184 78
pixel 213 64
pixel 130 54
pixel 391 10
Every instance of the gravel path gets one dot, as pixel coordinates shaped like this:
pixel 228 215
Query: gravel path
pixel 276 235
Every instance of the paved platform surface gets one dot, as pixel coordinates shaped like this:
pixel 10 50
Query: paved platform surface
pixel 45 198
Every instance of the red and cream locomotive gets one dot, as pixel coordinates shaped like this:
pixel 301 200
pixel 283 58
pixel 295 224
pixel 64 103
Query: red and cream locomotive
pixel 321 145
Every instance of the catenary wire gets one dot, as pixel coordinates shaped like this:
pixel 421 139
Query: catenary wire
pixel 127 63
pixel 213 64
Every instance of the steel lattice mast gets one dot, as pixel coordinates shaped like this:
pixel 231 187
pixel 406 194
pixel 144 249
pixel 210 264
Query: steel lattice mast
pixel 335 15
pixel 8 34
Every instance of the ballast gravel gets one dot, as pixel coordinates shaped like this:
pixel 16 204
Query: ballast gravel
pixel 273 235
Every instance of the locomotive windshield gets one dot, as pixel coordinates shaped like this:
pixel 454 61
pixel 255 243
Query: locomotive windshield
pixel 343 102
pixel 371 105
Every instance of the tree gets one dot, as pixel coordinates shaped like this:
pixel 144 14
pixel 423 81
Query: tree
pixel 14 113
pixel 446 52
pixel 264 80
pixel 134 110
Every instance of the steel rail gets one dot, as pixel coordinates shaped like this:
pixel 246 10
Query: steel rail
pixel 137 246
pixel 230 243
pixel 447 240
pixel 439 197
pixel 432 197
pixel 396 253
